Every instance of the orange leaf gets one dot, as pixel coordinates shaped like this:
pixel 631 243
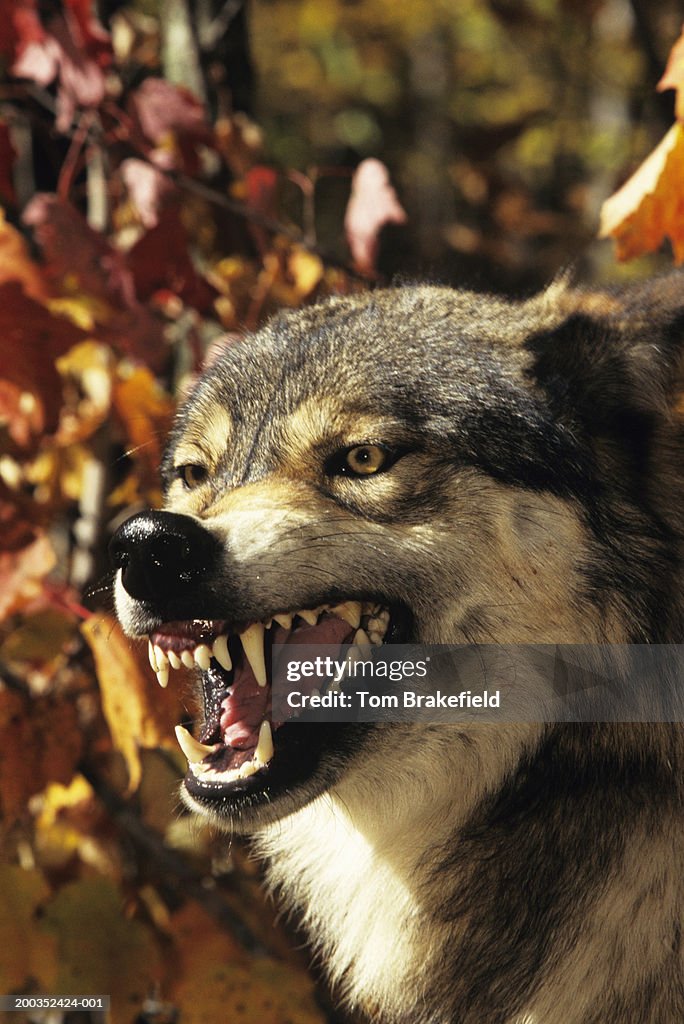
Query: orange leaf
pixel 47 725
pixel 214 980
pixel 132 702
pixel 650 206
pixel 15 263
pixel 674 76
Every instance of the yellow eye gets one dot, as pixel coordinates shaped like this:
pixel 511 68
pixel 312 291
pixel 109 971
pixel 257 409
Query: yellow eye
pixel 365 459
pixel 191 475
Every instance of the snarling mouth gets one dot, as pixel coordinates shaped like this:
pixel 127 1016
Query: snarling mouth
pixel 239 743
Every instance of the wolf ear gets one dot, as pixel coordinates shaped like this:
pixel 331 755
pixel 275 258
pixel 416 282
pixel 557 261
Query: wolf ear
pixel 615 355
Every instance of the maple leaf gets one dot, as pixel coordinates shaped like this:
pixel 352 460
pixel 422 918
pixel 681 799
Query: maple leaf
pixel 650 205
pixel 372 204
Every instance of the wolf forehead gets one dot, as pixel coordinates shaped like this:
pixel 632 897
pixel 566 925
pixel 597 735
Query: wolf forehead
pixel 426 359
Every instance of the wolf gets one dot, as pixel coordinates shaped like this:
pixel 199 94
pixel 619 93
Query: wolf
pixel 427 464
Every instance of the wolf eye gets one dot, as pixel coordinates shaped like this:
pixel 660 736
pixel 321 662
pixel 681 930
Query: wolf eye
pixel 365 459
pixel 191 475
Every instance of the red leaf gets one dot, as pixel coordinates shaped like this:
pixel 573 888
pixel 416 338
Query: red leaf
pixel 161 107
pixel 373 204
pixel 68 45
pixel 7 157
pixel 160 260
pixel 21 26
pixel 31 338
pixel 71 248
pixel 73 251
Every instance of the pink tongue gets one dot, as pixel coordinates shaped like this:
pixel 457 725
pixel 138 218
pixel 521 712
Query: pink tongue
pixel 243 712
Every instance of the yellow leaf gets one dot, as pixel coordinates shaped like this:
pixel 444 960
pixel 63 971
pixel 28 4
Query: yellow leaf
pixel 101 951
pixel 26 952
pixel 650 206
pixel 137 713
pixel 306 270
pixel 215 980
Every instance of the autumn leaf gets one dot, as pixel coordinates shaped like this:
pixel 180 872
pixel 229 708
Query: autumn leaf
pixel 673 78
pixel 66 45
pixel 373 204
pixel 650 206
pixel 132 702
pixel 215 980
pixel 100 950
pixel 21 573
pixel 15 262
pixel 49 727
pixel 27 953
pixel 31 338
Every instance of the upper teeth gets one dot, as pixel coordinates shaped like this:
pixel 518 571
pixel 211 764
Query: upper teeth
pixel 252 640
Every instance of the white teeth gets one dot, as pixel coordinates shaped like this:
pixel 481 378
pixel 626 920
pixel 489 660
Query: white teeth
pixel 361 638
pixel 160 658
pixel 150 655
pixel 163 677
pixel 284 620
pixel 246 769
pixel 187 659
pixel 174 660
pixel 350 611
pixel 192 748
pixel 253 646
pixel 220 652
pixel 264 747
pixel 203 656
pixel 309 616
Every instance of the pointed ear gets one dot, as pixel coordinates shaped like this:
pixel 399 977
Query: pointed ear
pixel 615 356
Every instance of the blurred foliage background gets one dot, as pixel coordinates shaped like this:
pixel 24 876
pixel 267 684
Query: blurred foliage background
pixel 171 170
pixel 504 124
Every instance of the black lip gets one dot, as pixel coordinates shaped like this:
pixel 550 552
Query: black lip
pixel 300 747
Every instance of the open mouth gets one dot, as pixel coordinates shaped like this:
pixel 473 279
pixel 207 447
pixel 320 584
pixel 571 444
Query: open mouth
pixel 239 744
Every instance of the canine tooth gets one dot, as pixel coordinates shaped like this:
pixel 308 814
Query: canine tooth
pixel 150 655
pixel 220 652
pixel 203 656
pixel 187 659
pixel 192 748
pixel 361 638
pixel 253 646
pixel 163 677
pixel 264 747
pixel 160 657
pixel 309 616
pixel 174 660
pixel 349 611
pixel 284 620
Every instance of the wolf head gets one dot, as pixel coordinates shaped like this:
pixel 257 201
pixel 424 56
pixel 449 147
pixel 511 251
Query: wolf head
pixel 418 464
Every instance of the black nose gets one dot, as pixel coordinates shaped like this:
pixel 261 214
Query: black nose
pixel 161 553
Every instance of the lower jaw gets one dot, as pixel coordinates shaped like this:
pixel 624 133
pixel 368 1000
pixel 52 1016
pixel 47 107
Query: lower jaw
pixel 308 759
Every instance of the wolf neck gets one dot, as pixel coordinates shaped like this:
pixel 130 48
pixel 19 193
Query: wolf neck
pixel 464 906
pixel 353 861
